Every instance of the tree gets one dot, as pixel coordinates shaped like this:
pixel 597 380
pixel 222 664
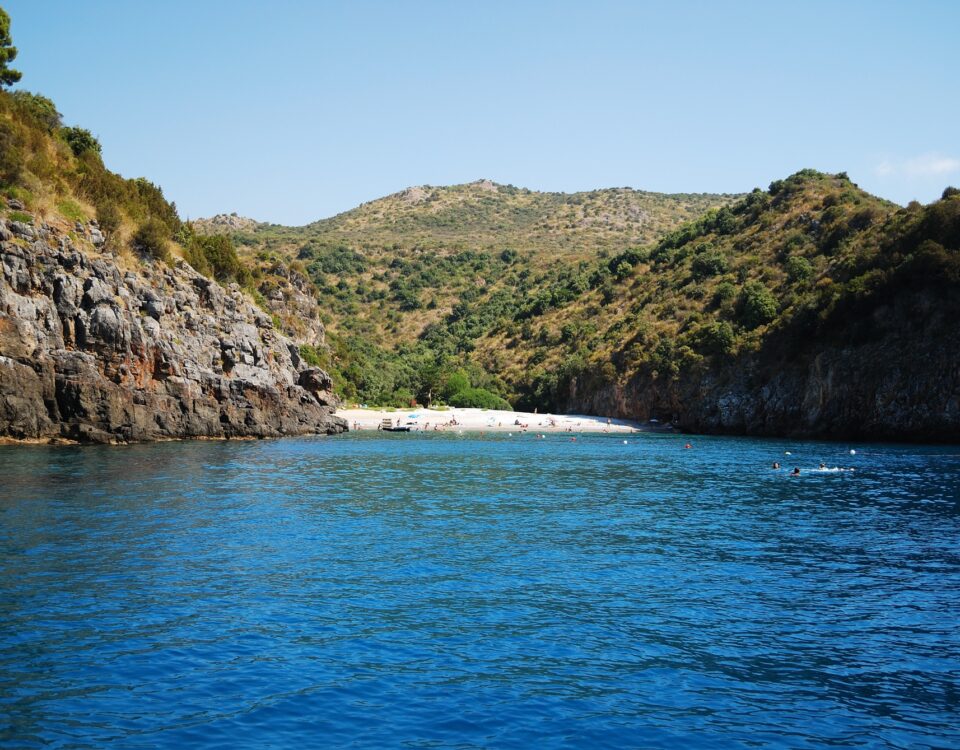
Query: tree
pixel 8 53
pixel 757 305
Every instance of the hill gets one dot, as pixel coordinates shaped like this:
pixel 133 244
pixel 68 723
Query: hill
pixel 393 272
pixel 483 215
pixel 811 308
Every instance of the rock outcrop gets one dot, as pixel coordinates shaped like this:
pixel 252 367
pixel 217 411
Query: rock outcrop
pixel 92 352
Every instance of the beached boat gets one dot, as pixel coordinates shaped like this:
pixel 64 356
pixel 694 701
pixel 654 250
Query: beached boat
pixel 387 425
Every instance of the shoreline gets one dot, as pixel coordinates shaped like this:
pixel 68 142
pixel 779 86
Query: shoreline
pixel 455 419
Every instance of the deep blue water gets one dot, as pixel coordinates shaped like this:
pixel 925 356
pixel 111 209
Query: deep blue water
pixel 444 591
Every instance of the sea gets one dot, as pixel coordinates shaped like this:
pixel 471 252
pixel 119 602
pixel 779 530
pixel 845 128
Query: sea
pixel 480 591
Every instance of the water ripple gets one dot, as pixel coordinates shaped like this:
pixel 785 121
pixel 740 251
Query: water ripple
pixel 448 591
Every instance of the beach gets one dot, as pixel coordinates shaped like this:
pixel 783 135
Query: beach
pixel 486 420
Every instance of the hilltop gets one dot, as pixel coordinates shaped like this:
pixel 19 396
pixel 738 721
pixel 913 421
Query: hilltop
pixel 484 215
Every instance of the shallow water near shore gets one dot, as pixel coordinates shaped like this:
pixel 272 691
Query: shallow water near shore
pixel 456 591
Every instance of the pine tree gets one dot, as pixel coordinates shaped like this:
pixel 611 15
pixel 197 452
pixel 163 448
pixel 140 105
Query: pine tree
pixel 8 76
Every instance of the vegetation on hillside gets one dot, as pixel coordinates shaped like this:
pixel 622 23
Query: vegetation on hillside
pixel 408 283
pixel 525 324
pixel 779 271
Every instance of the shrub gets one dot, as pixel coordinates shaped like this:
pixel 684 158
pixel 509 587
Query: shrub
pixel 478 398
pixel 80 140
pixel 152 238
pixel 108 217
pixel 222 256
pixel 711 263
pixel 799 268
pixel 726 291
pixel 38 108
pixel 716 338
pixel 757 306
pixel 456 382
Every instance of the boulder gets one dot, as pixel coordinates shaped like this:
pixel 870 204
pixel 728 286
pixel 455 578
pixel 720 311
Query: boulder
pixel 25 231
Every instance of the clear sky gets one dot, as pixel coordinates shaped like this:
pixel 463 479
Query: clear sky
pixel 293 111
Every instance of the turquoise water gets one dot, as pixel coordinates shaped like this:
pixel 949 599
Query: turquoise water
pixel 443 591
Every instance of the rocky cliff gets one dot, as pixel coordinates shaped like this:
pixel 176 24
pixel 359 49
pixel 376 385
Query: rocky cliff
pixel 888 371
pixel 94 351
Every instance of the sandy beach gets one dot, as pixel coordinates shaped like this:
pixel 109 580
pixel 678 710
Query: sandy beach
pixel 485 420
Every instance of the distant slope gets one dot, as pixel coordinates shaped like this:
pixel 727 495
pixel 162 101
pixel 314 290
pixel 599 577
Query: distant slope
pixel 393 269
pixel 484 215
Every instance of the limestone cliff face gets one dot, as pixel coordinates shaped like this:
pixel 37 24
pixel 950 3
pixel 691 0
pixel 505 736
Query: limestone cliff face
pixel 91 352
pixel 900 380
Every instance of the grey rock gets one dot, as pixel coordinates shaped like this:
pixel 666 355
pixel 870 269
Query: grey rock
pixel 96 291
pixel 15 205
pixel 91 354
pixel 153 308
pixel 25 231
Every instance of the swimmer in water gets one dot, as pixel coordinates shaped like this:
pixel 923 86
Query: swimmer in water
pixel 776 464
pixel 823 466
pixel 795 472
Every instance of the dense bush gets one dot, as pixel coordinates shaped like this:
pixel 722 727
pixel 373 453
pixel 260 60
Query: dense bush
pixel 152 238
pixel 477 398
pixel 716 338
pixel 80 140
pixel 710 263
pixel 108 216
pixel 216 256
pixel 757 305
pixel 39 109
pixel 799 268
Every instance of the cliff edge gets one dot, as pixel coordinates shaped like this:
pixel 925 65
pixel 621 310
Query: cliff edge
pixel 93 352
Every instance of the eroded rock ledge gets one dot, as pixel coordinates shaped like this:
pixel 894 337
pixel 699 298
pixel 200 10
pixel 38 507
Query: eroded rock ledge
pixel 92 353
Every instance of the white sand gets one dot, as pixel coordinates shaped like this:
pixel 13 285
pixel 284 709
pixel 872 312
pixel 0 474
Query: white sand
pixel 484 420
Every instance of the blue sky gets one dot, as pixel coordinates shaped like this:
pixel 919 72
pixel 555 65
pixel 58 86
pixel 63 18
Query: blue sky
pixel 293 111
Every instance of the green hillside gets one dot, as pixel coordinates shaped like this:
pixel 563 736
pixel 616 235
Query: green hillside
pixel 772 279
pixel 395 276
